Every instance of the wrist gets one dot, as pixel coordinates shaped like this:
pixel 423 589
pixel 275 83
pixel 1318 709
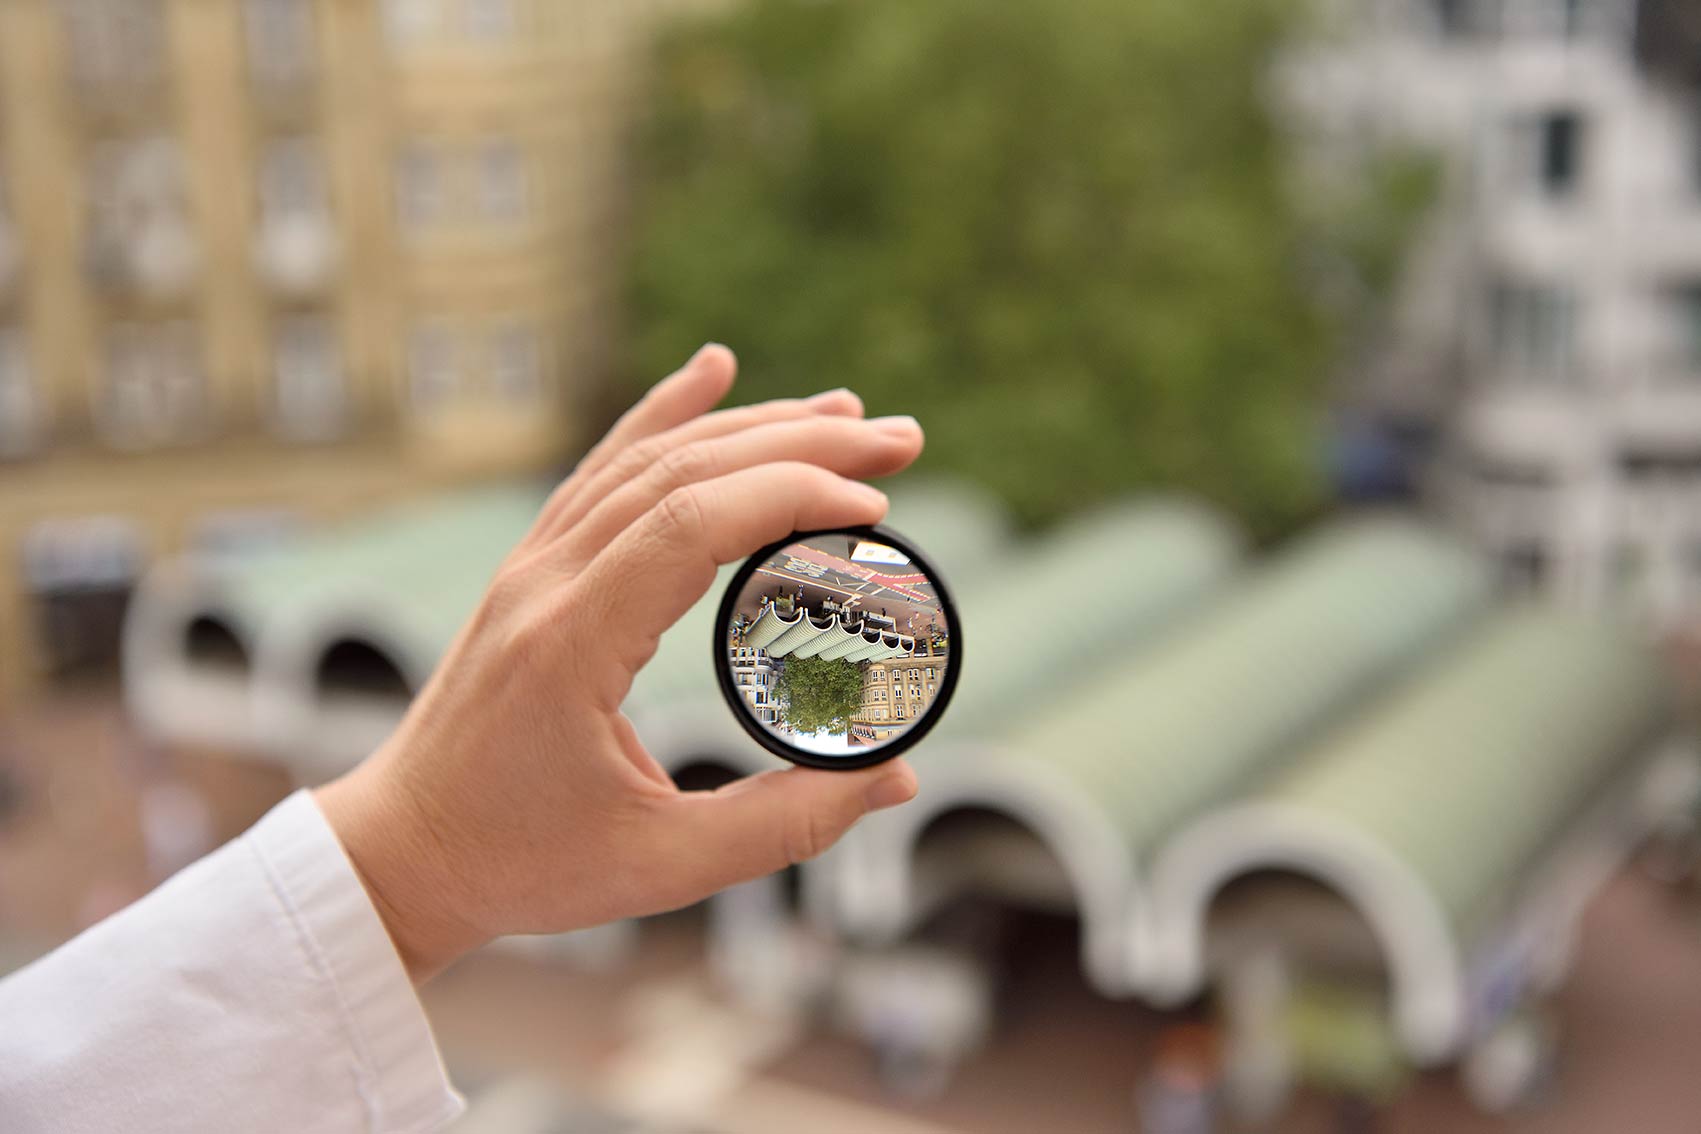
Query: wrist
pixel 401 865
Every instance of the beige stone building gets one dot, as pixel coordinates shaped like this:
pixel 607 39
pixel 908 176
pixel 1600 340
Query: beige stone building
pixel 265 261
pixel 896 692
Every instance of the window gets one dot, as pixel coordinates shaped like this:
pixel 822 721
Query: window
pixel 9 251
pixel 310 400
pixel 1686 320
pixel 419 187
pixel 1573 17
pixel 488 19
pixel 292 181
pixel 1693 148
pixel 138 231
pixel 1449 18
pixel 1456 19
pixel 410 22
pixel 280 41
pixel 502 196
pixel 1547 152
pixel 1534 332
pixel 20 410
pixel 114 44
pixel 516 366
pixel 1561 153
pixel 154 384
pixel 431 367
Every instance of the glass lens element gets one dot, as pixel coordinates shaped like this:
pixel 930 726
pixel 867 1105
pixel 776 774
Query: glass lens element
pixel 838 644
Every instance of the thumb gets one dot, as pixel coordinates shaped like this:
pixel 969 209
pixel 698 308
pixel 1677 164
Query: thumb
pixel 756 826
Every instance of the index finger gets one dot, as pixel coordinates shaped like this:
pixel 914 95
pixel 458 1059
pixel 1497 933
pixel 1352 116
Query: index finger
pixel 694 389
pixel 653 571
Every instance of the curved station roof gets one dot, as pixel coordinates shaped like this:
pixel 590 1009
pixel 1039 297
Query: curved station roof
pixel 1160 715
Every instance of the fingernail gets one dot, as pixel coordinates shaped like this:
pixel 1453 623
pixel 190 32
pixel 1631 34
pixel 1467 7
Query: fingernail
pixel 899 425
pixel 873 494
pixel 698 353
pixel 889 791
pixel 836 394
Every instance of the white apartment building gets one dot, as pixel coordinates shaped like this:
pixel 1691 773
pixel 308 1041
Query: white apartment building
pixel 1552 325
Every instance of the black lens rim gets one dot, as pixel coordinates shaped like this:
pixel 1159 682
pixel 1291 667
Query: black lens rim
pixel 892 748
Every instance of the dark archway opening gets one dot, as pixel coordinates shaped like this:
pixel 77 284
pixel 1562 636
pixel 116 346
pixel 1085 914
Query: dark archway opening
pixel 210 643
pixel 1310 923
pixel 988 853
pixel 355 668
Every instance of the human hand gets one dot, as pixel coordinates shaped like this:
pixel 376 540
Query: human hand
pixel 515 797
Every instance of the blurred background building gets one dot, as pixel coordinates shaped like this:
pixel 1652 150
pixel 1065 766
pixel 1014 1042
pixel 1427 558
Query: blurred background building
pixel 269 261
pixel 1553 334
pixel 1249 812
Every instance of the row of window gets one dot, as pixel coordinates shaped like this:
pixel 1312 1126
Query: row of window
pixel 133 183
pixel 1534 331
pixel 916 692
pixel 118 46
pixel 155 390
pixel 1479 19
pixel 411 22
pixel 447 363
pixel 438 184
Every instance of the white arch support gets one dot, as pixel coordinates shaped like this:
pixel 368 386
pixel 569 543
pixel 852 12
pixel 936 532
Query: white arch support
pixel 1424 966
pixel 875 880
pixel 294 725
pixel 170 696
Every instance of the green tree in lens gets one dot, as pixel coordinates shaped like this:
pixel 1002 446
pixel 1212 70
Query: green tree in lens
pixel 1065 235
pixel 817 694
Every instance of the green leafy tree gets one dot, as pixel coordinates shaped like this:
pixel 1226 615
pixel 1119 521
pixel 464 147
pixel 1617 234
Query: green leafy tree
pixel 816 694
pixel 1065 235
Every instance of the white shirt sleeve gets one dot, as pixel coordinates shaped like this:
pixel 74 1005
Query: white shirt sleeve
pixel 257 990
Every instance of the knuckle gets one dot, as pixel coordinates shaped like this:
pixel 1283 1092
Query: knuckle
pixel 686 464
pixel 806 834
pixel 681 511
pixel 637 457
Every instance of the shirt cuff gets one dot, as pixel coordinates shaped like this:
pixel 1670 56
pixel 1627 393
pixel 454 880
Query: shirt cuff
pixel 400 1071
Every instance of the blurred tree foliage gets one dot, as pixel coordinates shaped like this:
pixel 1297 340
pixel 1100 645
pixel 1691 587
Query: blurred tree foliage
pixel 816 694
pixel 1064 235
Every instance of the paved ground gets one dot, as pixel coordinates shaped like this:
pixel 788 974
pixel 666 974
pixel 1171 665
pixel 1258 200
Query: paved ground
pixel 650 1036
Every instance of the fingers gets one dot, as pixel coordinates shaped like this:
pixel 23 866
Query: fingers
pixel 768 822
pixel 654 570
pixel 644 453
pixel 850 447
pixel 688 392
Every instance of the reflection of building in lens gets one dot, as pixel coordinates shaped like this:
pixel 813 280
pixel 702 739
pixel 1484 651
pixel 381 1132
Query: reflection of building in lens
pixel 897 692
pixel 755 673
